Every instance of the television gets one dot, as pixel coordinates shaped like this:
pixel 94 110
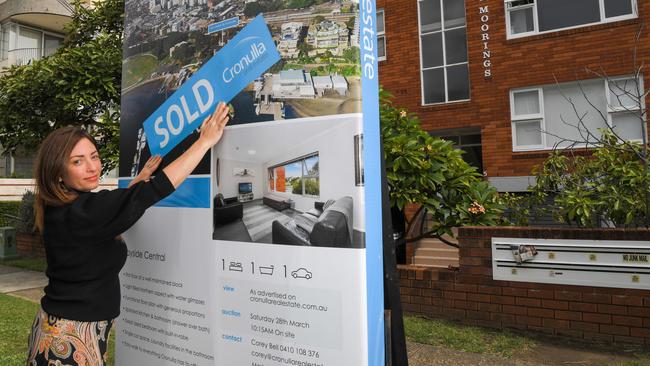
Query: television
pixel 245 188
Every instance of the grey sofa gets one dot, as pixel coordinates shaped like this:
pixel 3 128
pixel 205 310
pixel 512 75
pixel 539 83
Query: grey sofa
pixel 328 224
pixel 226 210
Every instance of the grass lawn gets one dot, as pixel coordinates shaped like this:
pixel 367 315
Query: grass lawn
pixel 138 67
pixel 450 335
pixel 464 338
pixel 37 264
pixel 16 317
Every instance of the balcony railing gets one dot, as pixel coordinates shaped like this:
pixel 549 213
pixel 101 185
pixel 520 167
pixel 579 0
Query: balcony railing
pixel 24 56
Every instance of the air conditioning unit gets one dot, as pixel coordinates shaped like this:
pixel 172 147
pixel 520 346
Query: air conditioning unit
pixel 8 243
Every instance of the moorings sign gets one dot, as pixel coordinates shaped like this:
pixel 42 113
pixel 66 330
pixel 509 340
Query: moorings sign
pixel 484 13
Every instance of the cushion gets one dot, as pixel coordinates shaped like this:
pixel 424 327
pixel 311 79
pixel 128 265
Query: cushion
pixel 219 200
pixel 327 204
pixel 298 231
pixel 314 212
pixel 305 222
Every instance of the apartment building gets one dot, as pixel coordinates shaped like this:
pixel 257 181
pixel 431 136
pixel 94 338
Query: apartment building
pixel 29 30
pixel 508 80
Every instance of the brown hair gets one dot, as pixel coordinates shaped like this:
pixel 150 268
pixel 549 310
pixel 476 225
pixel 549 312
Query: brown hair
pixel 49 168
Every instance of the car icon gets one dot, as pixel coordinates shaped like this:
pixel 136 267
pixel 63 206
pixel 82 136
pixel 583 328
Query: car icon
pixel 301 273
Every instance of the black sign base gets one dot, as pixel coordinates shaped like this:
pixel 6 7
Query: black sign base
pixel 396 354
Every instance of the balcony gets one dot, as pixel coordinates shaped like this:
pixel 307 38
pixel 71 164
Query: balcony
pixel 47 14
pixel 24 56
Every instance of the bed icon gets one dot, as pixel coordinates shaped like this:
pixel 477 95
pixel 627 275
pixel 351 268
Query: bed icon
pixel 235 267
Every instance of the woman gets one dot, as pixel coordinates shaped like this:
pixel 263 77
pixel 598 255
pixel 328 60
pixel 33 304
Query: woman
pixel 81 232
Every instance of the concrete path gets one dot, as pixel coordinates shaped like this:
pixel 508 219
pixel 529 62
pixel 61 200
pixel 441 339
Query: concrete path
pixel 18 282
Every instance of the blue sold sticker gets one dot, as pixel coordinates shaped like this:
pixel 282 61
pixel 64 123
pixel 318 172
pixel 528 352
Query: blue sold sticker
pixel 245 57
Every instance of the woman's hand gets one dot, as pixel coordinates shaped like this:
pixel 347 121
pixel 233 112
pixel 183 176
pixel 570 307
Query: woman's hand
pixel 149 168
pixel 211 131
pixel 212 127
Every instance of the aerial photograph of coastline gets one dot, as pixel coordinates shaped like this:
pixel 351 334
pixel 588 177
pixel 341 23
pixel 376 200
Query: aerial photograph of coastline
pixel 166 41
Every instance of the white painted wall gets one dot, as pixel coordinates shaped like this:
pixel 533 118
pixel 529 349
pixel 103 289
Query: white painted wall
pixel 229 183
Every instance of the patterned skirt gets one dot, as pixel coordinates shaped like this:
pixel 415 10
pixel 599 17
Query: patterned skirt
pixel 62 342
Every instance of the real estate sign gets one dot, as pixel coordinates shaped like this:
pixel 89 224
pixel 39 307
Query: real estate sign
pixel 270 253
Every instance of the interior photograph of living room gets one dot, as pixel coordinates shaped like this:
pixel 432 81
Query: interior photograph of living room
pixel 287 183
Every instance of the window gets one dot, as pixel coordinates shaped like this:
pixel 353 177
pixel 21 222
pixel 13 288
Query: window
pixel 443 51
pixel 381 35
pixel 23 44
pixel 527 119
pixel 28 46
pixel 625 107
pixel 527 17
pixel 51 44
pixel 29 39
pixel 558 115
pixel 4 46
pixel 467 140
pixel 299 176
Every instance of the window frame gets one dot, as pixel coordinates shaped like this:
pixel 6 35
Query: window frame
pixel 514 120
pixel 541 116
pixel 536 31
pixel 381 36
pixel 303 175
pixel 5 27
pixel 624 109
pixel 444 66
pixel 12 43
pixel 508 22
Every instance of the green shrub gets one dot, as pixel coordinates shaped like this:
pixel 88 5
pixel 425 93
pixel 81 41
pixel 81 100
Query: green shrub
pixel 9 212
pixel 311 186
pixel 610 187
pixel 25 222
pixel 428 171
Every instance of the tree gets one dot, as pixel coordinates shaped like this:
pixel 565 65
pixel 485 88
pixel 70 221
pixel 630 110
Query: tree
pixel 429 172
pixel 600 178
pixel 78 85
pixel 607 188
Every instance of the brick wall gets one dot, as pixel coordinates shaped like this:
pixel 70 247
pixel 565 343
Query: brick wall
pixel 30 246
pixel 471 296
pixel 527 61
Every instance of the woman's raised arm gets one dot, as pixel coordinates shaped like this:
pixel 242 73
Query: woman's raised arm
pixel 211 132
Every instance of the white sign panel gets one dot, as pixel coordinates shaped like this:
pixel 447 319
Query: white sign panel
pixel 270 253
pixel 602 263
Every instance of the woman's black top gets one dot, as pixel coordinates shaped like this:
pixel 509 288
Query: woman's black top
pixel 84 253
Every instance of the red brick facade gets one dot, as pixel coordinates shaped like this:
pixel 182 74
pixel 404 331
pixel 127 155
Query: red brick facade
pixel 471 296
pixel 30 246
pixel 528 61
